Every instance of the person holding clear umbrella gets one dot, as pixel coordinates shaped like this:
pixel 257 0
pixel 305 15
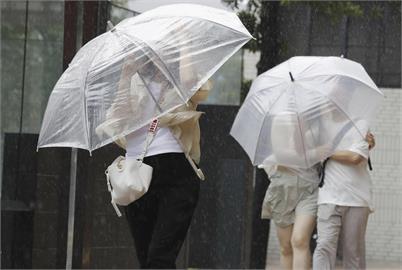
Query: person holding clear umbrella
pixel 92 105
pixel 153 85
pixel 159 220
pixel 291 202
pixel 291 198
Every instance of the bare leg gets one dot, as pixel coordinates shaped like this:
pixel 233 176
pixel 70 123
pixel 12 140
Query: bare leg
pixel 286 253
pixel 302 230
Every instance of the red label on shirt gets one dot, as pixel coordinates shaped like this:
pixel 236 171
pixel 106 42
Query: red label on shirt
pixel 153 125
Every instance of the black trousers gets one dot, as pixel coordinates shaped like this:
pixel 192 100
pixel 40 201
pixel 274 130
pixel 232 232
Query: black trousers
pixel 159 220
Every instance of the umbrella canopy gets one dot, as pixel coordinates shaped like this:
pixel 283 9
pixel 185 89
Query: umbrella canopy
pixel 299 112
pixel 142 68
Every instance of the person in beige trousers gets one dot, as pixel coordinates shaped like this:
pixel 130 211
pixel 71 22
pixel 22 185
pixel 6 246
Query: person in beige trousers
pixel 344 204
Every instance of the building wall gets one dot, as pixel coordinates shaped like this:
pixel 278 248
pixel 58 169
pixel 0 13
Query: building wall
pixel 372 40
pixel 384 232
pixel 250 60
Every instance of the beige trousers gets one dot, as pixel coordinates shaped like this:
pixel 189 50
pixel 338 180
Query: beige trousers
pixel 347 223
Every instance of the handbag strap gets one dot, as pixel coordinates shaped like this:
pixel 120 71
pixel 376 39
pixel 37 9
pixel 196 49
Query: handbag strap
pixel 150 137
pixel 109 187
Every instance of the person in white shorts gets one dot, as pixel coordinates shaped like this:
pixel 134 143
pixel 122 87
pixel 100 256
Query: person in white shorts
pixel 344 204
pixel 291 202
pixel 291 198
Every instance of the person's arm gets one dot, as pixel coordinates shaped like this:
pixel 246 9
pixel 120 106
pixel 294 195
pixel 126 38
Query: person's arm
pixel 120 107
pixel 202 93
pixel 348 157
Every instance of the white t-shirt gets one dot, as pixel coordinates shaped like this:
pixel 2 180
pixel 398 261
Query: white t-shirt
pixel 163 142
pixel 347 185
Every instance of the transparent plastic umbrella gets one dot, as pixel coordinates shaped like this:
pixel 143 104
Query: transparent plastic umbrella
pixel 299 112
pixel 143 68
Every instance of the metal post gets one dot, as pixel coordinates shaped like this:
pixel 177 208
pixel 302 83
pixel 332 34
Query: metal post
pixel 71 43
pixel 1 130
pixel 71 209
pixel 1 140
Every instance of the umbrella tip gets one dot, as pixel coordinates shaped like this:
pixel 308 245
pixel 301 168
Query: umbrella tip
pixel 291 76
pixel 342 56
pixel 110 26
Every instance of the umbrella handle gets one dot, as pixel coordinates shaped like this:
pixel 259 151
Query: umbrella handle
pixel 291 77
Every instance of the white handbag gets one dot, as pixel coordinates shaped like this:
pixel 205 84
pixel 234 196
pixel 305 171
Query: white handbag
pixel 129 179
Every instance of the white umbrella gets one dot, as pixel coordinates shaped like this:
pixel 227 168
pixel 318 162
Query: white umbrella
pixel 299 112
pixel 144 67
